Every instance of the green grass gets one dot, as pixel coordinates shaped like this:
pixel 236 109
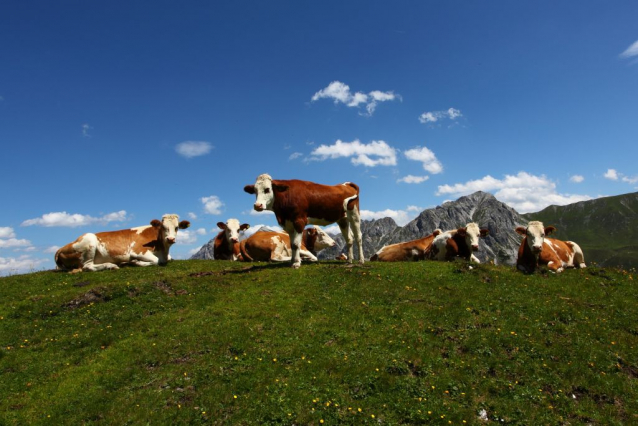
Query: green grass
pixel 402 343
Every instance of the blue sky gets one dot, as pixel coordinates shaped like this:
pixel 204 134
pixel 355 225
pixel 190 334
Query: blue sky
pixel 114 113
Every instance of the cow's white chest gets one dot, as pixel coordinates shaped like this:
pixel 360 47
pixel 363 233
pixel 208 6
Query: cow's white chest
pixel 440 242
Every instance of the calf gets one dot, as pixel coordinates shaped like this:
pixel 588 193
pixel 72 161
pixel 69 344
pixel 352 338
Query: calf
pixel 226 245
pixel 275 246
pixel 297 203
pixel 410 250
pixel 142 246
pixel 537 250
pixel 461 242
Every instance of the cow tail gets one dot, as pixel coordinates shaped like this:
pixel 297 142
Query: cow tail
pixel 242 251
pixel 350 199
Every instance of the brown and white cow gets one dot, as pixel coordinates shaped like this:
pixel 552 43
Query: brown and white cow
pixel 226 244
pixel 141 246
pixel 461 242
pixel 297 203
pixel 536 249
pixel 410 250
pixel 275 246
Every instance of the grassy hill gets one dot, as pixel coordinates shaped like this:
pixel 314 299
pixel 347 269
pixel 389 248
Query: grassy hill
pixel 212 342
pixel 605 228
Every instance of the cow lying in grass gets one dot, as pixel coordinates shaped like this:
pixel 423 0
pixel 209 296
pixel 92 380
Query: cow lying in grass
pixel 461 242
pixel 275 246
pixel 410 250
pixel 536 250
pixel 226 244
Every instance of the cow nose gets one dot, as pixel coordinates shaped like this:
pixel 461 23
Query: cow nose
pixel 258 207
pixel 475 247
pixel 234 240
pixel 537 249
pixel 171 240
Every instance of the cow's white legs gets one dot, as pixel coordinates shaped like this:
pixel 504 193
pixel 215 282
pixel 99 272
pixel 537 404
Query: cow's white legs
pixel 579 258
pixel 355 224
pixel 145 259
pixel 474 259
pixel 295 244
pixel 344 225
pixel 88 246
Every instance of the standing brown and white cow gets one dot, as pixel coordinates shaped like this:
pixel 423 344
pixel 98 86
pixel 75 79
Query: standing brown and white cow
pixel 226 245
pixel 297 203
pixel 141 246
pixel 461 242
pixel 537 250
pixel 275 246
pixel 409 250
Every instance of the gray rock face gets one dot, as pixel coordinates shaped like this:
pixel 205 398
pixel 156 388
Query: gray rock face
pixel 501 245
pixel 206 252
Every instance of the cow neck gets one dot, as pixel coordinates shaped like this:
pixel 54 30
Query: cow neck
pixel 309 242
pixel 529 256
pixel 157 245
pixel 461 244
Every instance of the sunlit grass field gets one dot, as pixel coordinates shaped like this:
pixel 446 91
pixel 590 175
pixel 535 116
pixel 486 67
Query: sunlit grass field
pixel 214 342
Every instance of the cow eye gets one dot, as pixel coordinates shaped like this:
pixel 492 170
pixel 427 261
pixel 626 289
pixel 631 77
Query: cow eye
pixel 267 191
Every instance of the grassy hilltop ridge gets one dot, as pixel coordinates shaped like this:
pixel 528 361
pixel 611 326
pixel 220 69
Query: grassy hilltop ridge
pixel 215 342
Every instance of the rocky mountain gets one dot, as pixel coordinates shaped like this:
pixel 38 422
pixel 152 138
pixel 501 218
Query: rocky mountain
pixel 605 228
pixel 501 245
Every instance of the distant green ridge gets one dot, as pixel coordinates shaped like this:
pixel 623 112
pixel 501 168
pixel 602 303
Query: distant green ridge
pixel 605 228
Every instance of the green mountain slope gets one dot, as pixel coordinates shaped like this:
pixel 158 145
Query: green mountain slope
pixel 221 343
pixel 605 228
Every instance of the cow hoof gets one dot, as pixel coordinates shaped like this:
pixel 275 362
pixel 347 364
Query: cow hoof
pixel 296 265
pixel 582 265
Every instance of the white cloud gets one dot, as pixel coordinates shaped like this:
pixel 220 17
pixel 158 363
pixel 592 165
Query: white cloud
pixel 577 178
pixel 401 217
pixel 191 252
pixel 20 265
pixel 74 220
pixel 413 179
pixel 212 204
pixel 434 116
pixel 294 156
pixel 376 153
pixel 190 149
pixel 14 243
pixel 51 249
pixel 186 237
pixel 201 231
pixel 340 93
pixel 611 174
pixel 524 192
pixel 85 130
pixel 254 212
pixel 192 216
pixel 7 232
pixel 332 229
pixel 427 157
pixel 631 51
pixel 415 209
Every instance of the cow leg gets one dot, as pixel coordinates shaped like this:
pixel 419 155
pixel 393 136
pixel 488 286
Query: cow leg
pixel 347 235
pixel 146 259
pixel 305 254
pixel 474 259
pixel 296 236
pixel 90 266
pixel 88 247
pixel 355 224
pixel 579 258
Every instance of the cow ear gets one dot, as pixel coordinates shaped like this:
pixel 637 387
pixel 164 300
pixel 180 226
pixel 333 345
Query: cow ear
pixel 221 225
pixel 156 223
pixel 184 224
pixel 462 231
pixel 484 232
pixel 278 187
pixel 550 230
pixel 436 232
pixel 521 230
pixel 312 231
pixel 249 189
pixel 244 227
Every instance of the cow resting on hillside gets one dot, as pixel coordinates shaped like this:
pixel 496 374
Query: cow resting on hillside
pixel 410 250
pixel 536 249
pixel 275 246
pixel 461 242
pixel 141 246
pixel 297 203
pixel 226 244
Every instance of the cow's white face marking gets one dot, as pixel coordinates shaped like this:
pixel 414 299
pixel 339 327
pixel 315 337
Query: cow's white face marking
pixel 323 240
pixel 472 235
pixel 170 225
pixel 232 230
pixel 535 234
pixel 264 193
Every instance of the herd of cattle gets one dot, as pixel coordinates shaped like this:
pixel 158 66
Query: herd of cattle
pixel 297 204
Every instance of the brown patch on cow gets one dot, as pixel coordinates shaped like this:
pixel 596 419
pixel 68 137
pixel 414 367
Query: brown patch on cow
pixel 95 295
pixel 406 251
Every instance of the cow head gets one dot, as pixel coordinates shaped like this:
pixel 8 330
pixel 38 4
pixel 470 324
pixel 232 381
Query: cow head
pixel 264 188
pixel 535 233
pixel 167 228
pixel 231 229
pixel 320 238
pixel 472 233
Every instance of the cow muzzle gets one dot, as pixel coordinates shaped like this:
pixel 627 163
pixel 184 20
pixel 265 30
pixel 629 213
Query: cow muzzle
pixel 536 249
pixel 170 240
pixel 259 207
pixel 475 248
